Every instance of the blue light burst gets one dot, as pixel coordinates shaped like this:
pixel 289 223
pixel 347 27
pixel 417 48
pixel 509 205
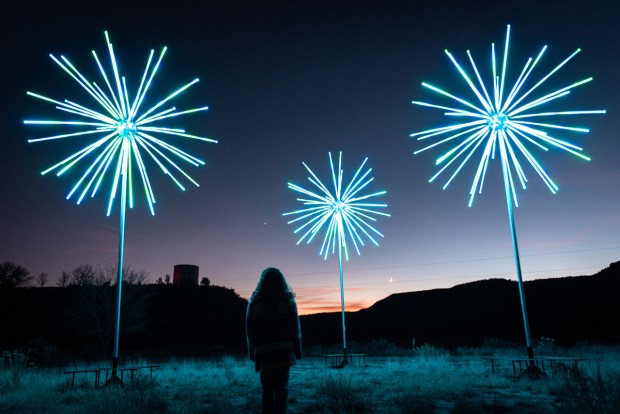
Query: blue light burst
pixel 123 136
pixel 508 119
pixel 341 212
pixel 118 132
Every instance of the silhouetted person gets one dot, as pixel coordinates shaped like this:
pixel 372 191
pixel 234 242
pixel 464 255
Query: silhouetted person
pixel 274 337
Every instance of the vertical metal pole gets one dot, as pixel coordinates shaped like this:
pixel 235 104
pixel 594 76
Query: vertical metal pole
pixel 121 248
pixel 528 338
pixel 515 246
pixel 344 331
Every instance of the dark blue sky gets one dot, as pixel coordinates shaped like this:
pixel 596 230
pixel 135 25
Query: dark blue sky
pixel 287 83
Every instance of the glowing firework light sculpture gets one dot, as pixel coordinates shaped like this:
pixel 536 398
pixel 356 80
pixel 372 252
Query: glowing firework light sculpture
pixel 341 213
pixel 120 137
pixel 507 120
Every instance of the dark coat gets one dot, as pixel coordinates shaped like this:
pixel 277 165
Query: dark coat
pixel 273 333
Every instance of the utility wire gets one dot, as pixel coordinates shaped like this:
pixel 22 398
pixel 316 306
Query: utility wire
pixel 437 263
pixel 475 276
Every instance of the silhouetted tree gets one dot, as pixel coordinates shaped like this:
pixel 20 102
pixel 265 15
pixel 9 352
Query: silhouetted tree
pixel 205 281
pixel 42 279
pixel 108 276
pixel 93 311
pixel 64 279
pixel 12 275
pixel 167 279
pixel 84 275
pixel 159 281
pixel 135 277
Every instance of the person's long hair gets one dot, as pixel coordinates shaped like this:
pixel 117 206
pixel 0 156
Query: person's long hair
pixel 272 287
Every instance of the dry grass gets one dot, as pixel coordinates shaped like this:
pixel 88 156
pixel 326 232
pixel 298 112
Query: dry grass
pixel 426 382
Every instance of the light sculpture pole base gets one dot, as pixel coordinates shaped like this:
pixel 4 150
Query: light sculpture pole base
pixel 114 379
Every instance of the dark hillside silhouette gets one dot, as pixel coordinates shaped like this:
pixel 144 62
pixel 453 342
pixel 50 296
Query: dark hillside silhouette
pixel 172 320
pixel 201 321
pixel 568 309
pixel 193 321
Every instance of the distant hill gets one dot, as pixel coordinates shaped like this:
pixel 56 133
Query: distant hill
pixel 157 321
pixel 568 309
pixel 58 324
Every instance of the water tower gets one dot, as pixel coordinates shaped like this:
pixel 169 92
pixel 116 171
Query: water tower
pixel 185 274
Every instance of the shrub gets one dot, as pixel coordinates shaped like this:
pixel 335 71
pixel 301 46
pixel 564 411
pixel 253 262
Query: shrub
pixel 338 394
pixel 427 351
pixel 15 363
pixel 585 394
pixel 382 347
pixel 141 396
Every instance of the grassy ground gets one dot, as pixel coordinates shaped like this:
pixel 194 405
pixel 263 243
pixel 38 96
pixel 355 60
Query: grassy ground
pixel 427 381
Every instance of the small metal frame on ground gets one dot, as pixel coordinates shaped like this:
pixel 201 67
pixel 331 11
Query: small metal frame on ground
pixel 109 380
pixel 340 360
pixel 520 366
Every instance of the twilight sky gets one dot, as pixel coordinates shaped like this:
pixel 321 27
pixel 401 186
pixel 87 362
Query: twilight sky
pixel 287 83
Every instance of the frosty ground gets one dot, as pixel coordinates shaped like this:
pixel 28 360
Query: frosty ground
pixel 427 381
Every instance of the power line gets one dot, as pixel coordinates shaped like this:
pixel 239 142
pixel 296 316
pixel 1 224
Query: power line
pixel 475 276
pixel 435 263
